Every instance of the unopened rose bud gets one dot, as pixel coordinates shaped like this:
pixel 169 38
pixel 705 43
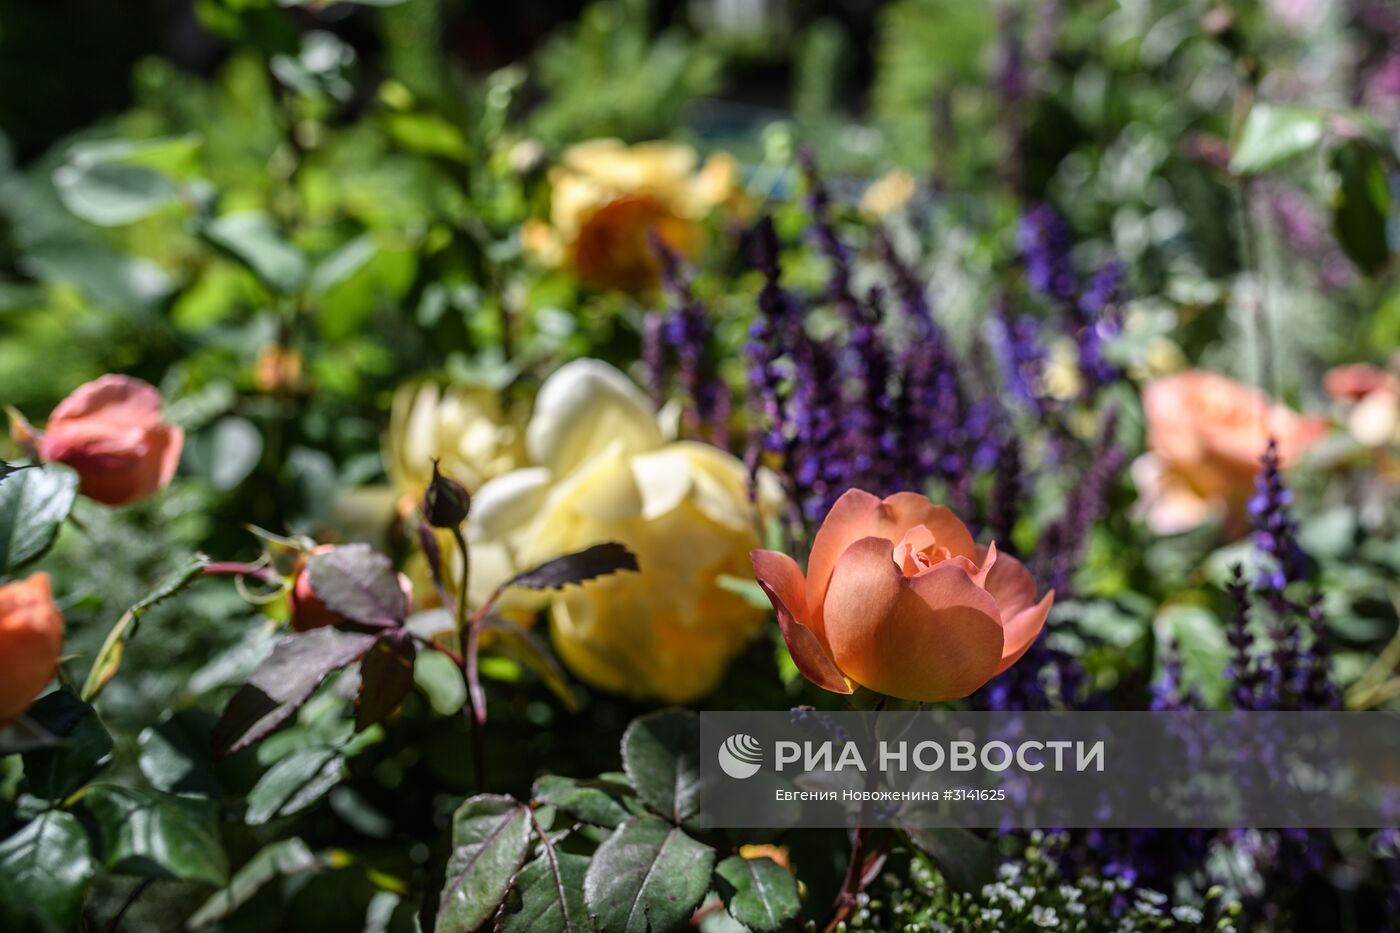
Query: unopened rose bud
pixel 447 502
pixel 31 639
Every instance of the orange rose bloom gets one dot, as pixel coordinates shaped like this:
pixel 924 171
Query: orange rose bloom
pixel 1205 436
pixel 31 639
pixel 899 600
pixel 110 431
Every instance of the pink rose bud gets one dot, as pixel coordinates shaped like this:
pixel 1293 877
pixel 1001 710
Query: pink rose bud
pixel 899 599
pixel 110 431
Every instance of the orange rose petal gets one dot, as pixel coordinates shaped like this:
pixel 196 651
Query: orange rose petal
pixel 851 518
pixel 782 582
pixel 927 638
pixel 1009 582
pixel 1022 630
pixel 904 510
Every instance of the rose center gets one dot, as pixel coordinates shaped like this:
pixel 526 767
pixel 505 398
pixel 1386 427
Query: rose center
pixel 918 550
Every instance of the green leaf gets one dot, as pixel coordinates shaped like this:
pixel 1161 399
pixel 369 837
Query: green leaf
pixel 111 194
pixel 490 838
pixel 758 892
pixel 154 835
pixel 1272 135
pixel 1361 206
pixel 441 681
pixel 278 860
pixel 57 771
pixel 294 783
pixel 33 504
pixel 660 753
pixel 547 897
pixel 45 869
pixel 967 860
pixel 175 756
pixel 427 134
pixel 585 801
pixel 254 240
pixel 647 876
pixel 1198 639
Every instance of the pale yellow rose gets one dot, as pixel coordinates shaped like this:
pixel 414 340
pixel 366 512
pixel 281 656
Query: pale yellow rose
pixel 604 471
pixel 608 197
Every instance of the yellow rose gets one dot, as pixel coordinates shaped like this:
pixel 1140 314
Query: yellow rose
pixel 608 197
pixel 604 471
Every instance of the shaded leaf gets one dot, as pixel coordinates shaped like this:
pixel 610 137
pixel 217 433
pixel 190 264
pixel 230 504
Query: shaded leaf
pixel 288 857
pixel 1361 206
pixel 174 755
pixel 297 666
pixel 490 838
pixel 358 583
pixel 1272 135
pixel 585 801
pixel 45 869
pixel 547 897
pixel 253 239
pixel 660 753
pixel 967 860
pixel 294 783
pixel 110 194
pixel 647 876
pixel 33 504
pixel 386 677
pixel 758 892
pixel 596 561
pixel 84 747
pixel 529 650
pixel 154 835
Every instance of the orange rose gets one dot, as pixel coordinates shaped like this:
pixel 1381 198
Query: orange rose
pixel 31 638
pixel 898 599
pixel 110 431
pixel 1205 435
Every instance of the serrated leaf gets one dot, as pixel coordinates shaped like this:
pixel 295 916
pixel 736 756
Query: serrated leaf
pixel 596 561
pixel 1272 135
pixel 154 835
pixel 281 684
pixel 84 746
pixel 967 860
pixel 174 754
pixel 278 860
pixel 547 897
pixel 490 838
pixel 527 649
pixel 294 784
pixel 33 505
pixel 358 583
pixel 758 892
pixel 585 801
pixel 45 869
pixel 660 753
pixel 386 678
pixel 646 876
pixel 253 239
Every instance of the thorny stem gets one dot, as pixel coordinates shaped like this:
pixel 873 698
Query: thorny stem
pixel 866 858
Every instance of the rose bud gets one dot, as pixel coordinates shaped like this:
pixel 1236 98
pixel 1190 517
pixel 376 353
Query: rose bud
pixel 446 501
pixel 899 600
pixel 31 638
pixel 308 610
pixel 110 431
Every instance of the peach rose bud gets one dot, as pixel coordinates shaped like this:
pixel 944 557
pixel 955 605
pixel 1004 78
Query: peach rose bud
pixel 898 599
pixel 309 611
pixel 31 639
pixel 110 431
